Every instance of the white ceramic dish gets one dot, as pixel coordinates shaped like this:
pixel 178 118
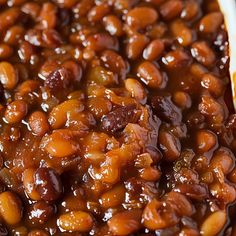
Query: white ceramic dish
pixel 228 8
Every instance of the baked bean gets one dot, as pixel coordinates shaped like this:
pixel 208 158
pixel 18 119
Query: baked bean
pixel 10 208
pixel 182 33
pixel 136 89
pixel 99 106
pixel 150 75
pixel 214 223
pixel 176 59
pixel 26 51
pixel 126 222
pixel 150 174
pixel 5 51
pixel 98 12
pixel 8 75
pixel 182 99
pixel 48 184
pixel 211 22
pixel 114 62
pixel 214 85
pixel 135 46
pixel 9 18
pixel 29 184
pixel 60 143
pixel 76 221
pixel 191 9
pixel 113 197
pixel 170 145
pixel 156 217
pixel 223 159
pixel 101 41
pixel 47 16
pixel 203 53
pixel 141 17
pixel 205 140
pixel 32 9
pixel 38 233
pixel 113 25
pixel 171 9
pixel 154 50
pixel 16 111
pixel 38 123
pixel 40 212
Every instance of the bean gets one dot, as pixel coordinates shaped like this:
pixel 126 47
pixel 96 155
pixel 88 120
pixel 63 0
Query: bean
pixel 76 221
pixel 150 75
pixel 213 84
pixel 48 184
pixel 8 18
pixel 5 51
pixel 182 99
pixel 170 145
pixel 60 143
pixel 38 123
pixel 10 208
pixel 14 35
pixel 213 224
pixel 171 9
pixel 113 25
pixel 165 109
pixel 203 53
pixel 119 118
pixel 64 111
pixel 47 16
pixel 150 174
pixel 38 232
pixel 75 71
pixel 26 51
pixel 156 217
pixel 126 222
pixel 114 62
pixel 32 9
pixel 136 89
pixel 29 184
pixel 182 33
pixel 16 111
pixel 211 22
pixel 223 159
pixel 113 197
pixel 40 212
pixel 190 10
pixel 176 59
pixel 8 75
pixel 135 46
pixel 141 17
pixel 99 106
pixel 154 50
pixel 101 41
pixel 205 141
pixel 98 12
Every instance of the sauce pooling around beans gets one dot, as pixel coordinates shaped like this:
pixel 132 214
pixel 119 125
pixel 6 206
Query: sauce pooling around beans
pixel 116 119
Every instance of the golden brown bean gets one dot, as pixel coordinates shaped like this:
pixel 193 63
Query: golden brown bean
pixel 8 75
pixel 126 222
pixel 205 140
pixel 5 51
pixel 153 50
pixel 113 25
pixel 9 18
pixel 76 221
pixel 14 35
pixel 38 123
pixel 98 12
pixel 214 223
pixel 171 9
pixel 29 184
pixel 182 99
pixel 10 208
pixel 113 197
pixel 136 89
pixel 16 111
pixel 211 22
pixel 150 75
pixel 141 17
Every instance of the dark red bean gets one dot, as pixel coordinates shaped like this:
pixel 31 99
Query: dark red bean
pixel 48 184
pixel 119 118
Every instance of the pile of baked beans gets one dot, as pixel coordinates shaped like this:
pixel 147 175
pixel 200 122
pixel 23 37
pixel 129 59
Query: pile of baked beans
pixel 116 119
